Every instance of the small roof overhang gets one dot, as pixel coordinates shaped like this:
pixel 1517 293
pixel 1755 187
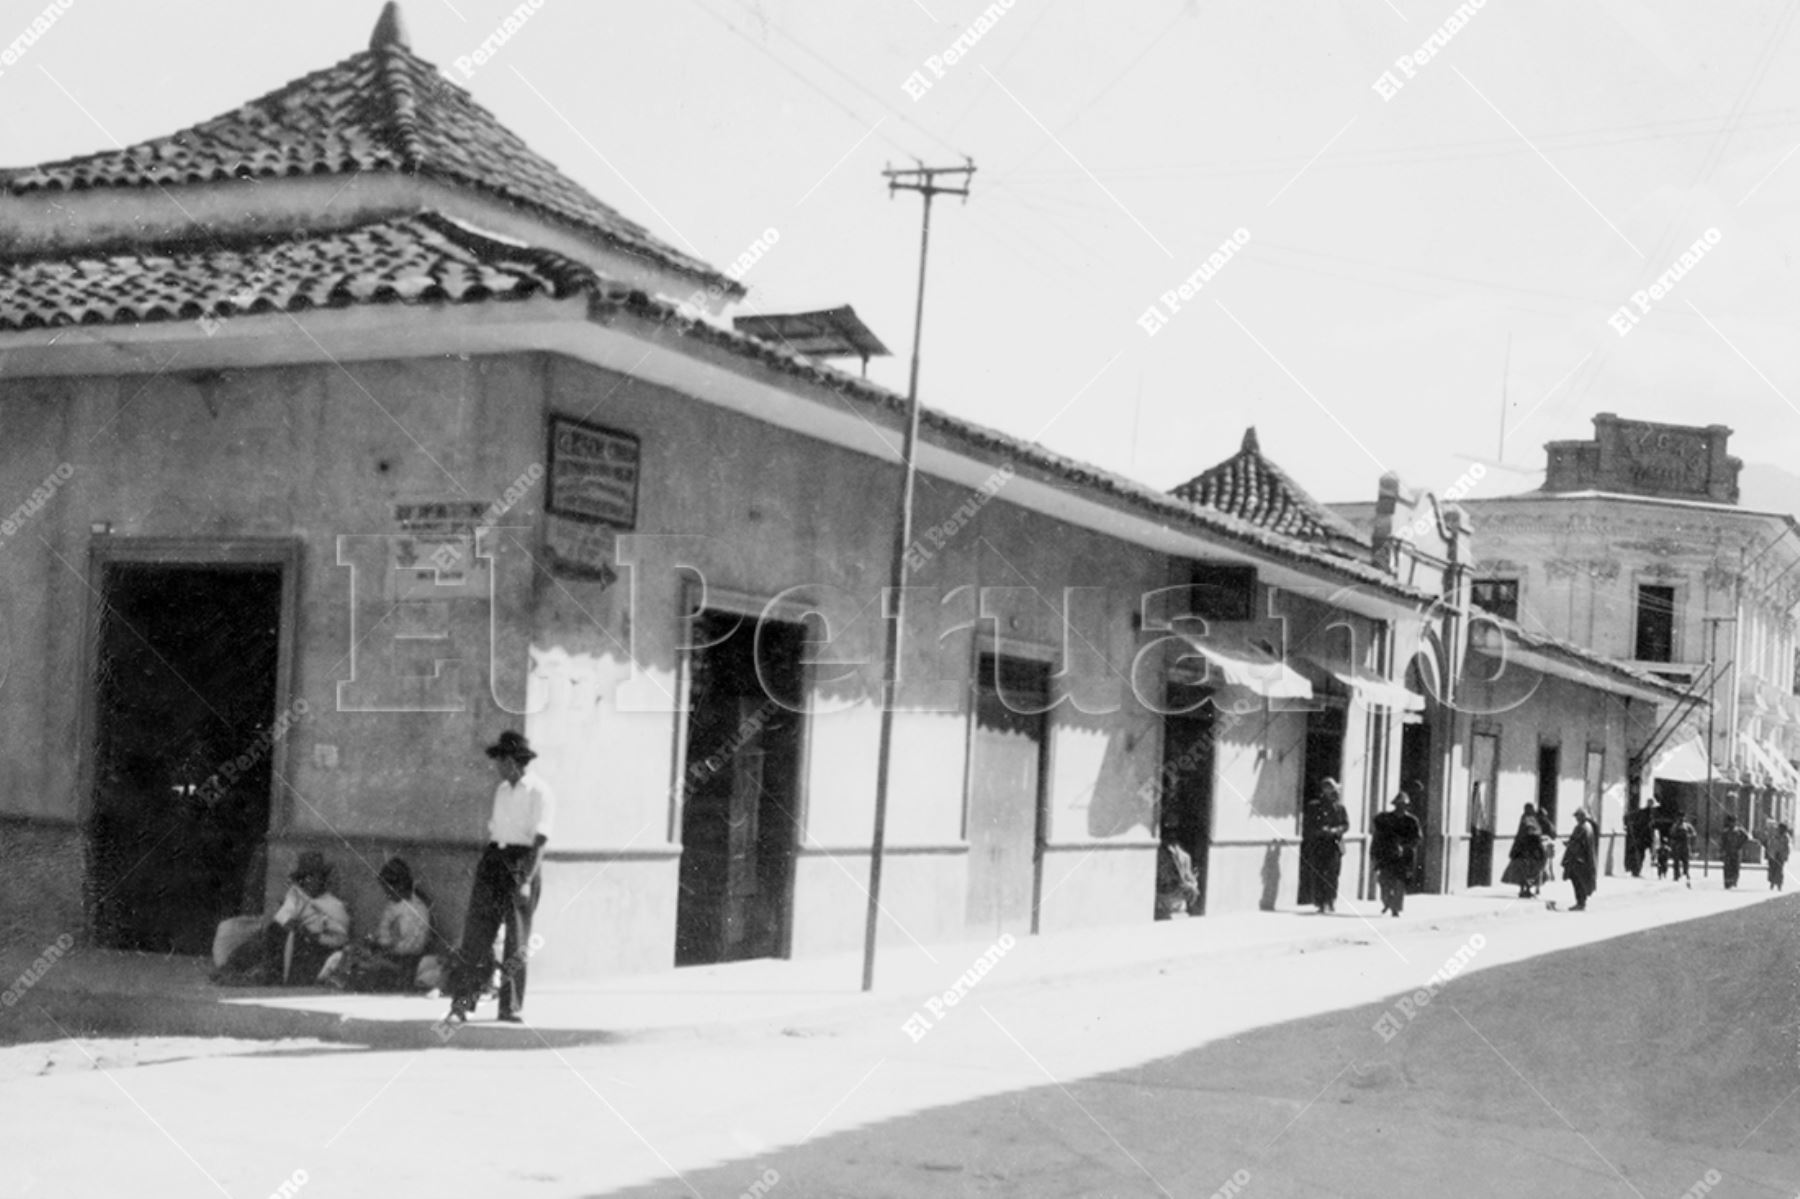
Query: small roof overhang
pixel 1683 762
pixel 1506 642
pixel 1239 661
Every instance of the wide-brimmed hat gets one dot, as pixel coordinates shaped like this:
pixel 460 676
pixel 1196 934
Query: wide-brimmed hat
pixel 512 745
pixel 312 863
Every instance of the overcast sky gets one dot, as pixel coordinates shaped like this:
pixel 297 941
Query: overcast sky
pixel 1552 159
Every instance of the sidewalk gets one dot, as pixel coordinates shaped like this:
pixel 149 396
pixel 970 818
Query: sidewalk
pixel 114 993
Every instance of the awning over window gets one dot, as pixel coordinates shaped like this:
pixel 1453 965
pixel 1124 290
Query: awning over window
pixel 1252 666
pixel 1683 762
pixel 1372 691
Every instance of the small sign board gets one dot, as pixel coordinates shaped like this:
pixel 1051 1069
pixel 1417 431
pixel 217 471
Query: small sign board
pixel 593 474
pixel 590 495
pixel 433 556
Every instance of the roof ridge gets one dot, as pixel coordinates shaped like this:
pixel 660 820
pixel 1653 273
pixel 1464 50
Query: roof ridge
pixel 1253 487
pixel 402 103
pixel 381 110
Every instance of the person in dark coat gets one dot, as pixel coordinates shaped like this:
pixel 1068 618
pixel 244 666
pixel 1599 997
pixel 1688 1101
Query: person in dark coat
pixel 1393 842
pixel 1682 838
pixel 1639 839
pixel 1525 864
pixel 1731 850
pixel 1776 843
pixel 1580 860
pixel 1322 852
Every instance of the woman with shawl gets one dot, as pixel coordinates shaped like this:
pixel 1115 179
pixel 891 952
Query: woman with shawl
pixel 1525 869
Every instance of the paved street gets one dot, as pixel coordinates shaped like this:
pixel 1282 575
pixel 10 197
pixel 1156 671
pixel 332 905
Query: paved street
pixel 1604 1053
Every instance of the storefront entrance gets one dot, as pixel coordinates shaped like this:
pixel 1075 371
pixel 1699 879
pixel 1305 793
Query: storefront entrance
pixel 1325 727
pixel 1484 778
pixel 1187 776
pixel 740 790
pixel 1415 780
pixel 186 681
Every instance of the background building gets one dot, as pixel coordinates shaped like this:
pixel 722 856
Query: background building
pixel 1636 550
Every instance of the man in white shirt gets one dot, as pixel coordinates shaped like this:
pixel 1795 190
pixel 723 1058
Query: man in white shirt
pixel 508 882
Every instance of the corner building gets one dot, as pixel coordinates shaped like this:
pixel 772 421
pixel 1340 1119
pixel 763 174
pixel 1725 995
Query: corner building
pixel 291 363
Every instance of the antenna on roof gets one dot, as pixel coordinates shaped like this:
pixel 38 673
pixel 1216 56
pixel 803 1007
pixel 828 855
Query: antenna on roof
pixel 390 29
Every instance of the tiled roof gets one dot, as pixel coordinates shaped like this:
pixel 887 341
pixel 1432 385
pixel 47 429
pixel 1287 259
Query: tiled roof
pixel 384 109
pixel 1252 488
pixel 428 258
pixel 419 259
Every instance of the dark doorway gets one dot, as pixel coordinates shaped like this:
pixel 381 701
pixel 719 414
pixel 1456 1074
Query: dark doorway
pixel 1484 777
pixel 1006 794
pixel 1415 780
pixel 1187 776
pixel 186 684
pixel 1549 771
pixel 741 790
pixel 1324 760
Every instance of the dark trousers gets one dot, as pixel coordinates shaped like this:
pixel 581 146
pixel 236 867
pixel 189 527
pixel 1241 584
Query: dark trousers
pixel 494 902
pixel 1582 890
pixel 1731 871
pixel 1681 864
pixel 1776 865
pixel 1393 887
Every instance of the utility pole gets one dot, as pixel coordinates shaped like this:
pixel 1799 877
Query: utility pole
pixel 924 180
pixel 1712 688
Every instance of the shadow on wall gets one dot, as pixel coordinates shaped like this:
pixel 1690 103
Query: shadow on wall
pixel 1117 807
pixel 1271 877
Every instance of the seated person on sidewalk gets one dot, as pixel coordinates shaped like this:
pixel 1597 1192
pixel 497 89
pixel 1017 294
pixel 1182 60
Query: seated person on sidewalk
pixel 388 959
pixel 1177 887
pixel 310 924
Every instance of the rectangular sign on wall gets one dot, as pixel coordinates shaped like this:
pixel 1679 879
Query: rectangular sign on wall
pixel 593 474
pixel 590 496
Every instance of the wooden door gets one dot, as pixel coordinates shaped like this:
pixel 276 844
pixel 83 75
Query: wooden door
pixel 1006 795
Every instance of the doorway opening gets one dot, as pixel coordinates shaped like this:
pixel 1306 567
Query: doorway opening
pixel 740 789
pixel 1325 727
pixel 186 682
pixel 1549 769
pixel 1006 794
pixel 1484 777
pixel 1415 780
pixel 1187 776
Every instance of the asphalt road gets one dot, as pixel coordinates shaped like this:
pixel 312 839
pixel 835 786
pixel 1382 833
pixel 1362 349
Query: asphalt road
pixel 1640 1066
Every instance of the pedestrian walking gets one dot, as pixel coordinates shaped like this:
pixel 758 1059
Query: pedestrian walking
pixel 1731 850
pixel 1525 863
pixel 1639 839
pixel 1322 848
pixel 508 882
pixel 1662 855
pixel 1682 837
pixel 1580 860
pixel 1393 842
pixel 1776 844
